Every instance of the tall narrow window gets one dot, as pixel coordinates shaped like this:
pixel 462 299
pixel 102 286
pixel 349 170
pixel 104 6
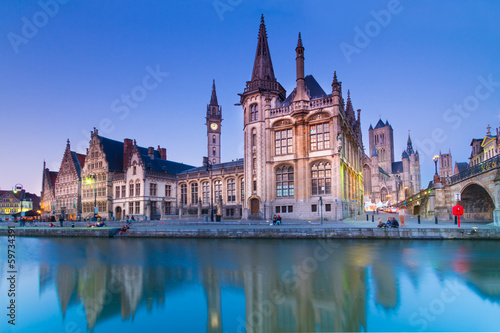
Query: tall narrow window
pixel 131 207
pixel 206 192
pixel 242 189
pixel 131 190
pixel 168 190
pixel 254 137
pixel 254 112
pixel 194 193
pixel 284 182
pixel 320 136
pixel 117 192
pixel 153 189
pixel 137 207
pixel 124 189
pixel 283 142
pixel 321 178
pixel 213 138
pixel 183 194
pixel 213 151
pixel 138 188
pixel 218 190
pixel 231 190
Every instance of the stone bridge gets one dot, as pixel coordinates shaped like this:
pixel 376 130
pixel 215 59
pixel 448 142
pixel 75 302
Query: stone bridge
pixel 478 186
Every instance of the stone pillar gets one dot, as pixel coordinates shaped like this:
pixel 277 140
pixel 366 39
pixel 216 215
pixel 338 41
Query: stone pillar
pixel 496 194
pixel 441 208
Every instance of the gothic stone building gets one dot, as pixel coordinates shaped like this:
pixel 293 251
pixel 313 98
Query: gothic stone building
pixel 48 195
pixel 67 185
pixel 303 151
pixel 387 180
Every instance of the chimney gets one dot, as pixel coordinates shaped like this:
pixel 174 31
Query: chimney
pixel 151 153
pixel 127 152
pixel 163 153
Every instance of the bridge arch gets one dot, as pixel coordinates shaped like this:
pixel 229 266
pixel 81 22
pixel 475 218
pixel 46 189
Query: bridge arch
pixel 478 202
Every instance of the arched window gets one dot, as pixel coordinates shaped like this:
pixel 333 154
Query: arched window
pixel 213 139
pixel 284 182
pixel 321 178
pixel 183 194
pixel 218 190
pixel 254 112
pixel 194 193
pixel 231 190
pixel 214 151
pixel 206 192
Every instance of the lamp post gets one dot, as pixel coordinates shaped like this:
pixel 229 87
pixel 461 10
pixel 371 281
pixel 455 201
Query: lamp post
pixel 208 165
pixel 436 176
pixel 19 187
pixel 91 177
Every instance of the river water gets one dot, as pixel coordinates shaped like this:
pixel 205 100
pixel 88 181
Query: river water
pixel 190 285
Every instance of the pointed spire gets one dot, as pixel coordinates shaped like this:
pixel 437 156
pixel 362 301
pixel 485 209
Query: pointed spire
pixel 489 130
pixel 409 147
pixel 335 81
pixel 67 142
pixel 299 43
pixel 374 151
pixel 263 66
pixel 213 99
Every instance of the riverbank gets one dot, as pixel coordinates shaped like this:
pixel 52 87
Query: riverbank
pixel 260 232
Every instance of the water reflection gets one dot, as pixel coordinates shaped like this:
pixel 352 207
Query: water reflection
pixel 287 286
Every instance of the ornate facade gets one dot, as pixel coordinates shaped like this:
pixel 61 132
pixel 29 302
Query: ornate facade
pixel 48 195
pixel 303 153
pixel 387 180
pixel 147 189
pixel 67 186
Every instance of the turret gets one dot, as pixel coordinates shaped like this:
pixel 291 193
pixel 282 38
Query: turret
pixel 301 94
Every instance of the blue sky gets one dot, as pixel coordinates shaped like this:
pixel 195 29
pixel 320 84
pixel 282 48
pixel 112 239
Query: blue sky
pixel 432 67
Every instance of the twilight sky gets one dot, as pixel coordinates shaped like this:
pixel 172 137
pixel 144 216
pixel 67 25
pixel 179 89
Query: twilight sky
pixel 431 67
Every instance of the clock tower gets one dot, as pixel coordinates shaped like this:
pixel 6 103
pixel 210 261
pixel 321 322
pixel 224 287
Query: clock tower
pixel 214 120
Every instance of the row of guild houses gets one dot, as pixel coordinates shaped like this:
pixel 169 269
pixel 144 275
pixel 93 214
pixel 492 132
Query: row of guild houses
pixel 303 159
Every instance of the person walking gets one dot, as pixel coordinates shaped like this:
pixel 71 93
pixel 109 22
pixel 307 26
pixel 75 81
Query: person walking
pixel 402 213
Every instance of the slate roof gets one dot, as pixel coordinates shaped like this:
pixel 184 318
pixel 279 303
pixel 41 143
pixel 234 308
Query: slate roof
pixel 159 165
pixel 397 167
pixel 78 161
pixel 53 177
pixel 405 154
pixel 315 90
pixel 383 171
pixel 224 165
pixel 114 153
pixel 461 166
pixel 380 124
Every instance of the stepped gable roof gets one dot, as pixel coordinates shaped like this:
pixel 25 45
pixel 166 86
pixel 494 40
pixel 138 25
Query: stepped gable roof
pixel 461 166
pixel 224 165
pixel 159 165
pixel 397 167
pixel 314 88
pixel 380 124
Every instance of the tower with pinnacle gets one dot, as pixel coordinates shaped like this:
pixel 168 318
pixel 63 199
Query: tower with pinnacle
pixel 214 122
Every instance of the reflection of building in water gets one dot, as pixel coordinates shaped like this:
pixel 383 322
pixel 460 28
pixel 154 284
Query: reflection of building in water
pixel 386 285
pixel 132 276
pixel 66 283
pixel 46 276
pixel 92 290
pixel 211 287
pixel 331 297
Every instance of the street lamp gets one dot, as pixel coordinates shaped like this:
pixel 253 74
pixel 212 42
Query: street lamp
pixel 435 159
pixel 19 187
pixel 208 165
pixel 89 179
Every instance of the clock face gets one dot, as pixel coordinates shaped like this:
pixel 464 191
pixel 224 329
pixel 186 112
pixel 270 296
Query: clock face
pixel 214 126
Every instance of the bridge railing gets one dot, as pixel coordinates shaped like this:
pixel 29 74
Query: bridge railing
pixel 492 163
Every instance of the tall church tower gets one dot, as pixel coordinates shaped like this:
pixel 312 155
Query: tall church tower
pixel 261 93
pixel 382 140
pixel 214 120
